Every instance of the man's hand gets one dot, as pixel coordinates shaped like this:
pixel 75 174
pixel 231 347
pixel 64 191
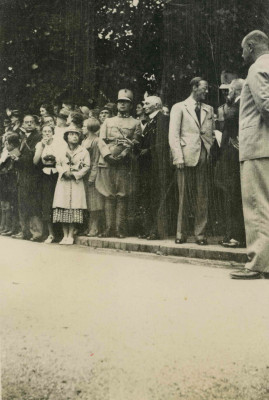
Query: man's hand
pixel 111 160
pixel 180 165
pixel 144 151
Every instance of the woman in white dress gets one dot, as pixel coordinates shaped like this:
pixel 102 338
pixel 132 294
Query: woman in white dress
pixel 70 197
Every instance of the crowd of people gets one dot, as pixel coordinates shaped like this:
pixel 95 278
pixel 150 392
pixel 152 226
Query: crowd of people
pixel 90 169
pixel 77 167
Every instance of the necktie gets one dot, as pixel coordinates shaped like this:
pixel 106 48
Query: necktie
pixel 198 112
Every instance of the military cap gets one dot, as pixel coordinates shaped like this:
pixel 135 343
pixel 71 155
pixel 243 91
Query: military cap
pixel 125 94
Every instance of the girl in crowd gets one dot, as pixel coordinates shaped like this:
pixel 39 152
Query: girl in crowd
pixel 70 197
pixel 45 109
pixel 91 129
pixel 45 155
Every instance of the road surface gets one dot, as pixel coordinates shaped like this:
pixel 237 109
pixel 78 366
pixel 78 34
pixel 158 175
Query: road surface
pixel 79 323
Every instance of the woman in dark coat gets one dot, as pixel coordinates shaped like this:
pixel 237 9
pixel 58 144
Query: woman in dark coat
pixel 45 156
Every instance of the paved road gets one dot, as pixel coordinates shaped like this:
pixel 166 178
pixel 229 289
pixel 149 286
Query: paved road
pixel 83 324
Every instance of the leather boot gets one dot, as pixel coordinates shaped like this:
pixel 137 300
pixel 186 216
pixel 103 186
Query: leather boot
pixel 110 211
pixel 121 217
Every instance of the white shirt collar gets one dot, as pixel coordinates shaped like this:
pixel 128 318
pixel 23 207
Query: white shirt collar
pixel 237 99
pixel 152 115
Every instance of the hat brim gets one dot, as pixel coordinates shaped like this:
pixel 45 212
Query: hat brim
pixel 125 99
pixel 224 86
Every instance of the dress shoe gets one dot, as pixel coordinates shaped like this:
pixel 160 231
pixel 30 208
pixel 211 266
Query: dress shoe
pixel 37 239
pixel 8 233
pixel 106 234
pixel 63 241
pixel 120 235
pixel 202 242
pixel 224 241
pixel 232 244
pixel 180 241
pixel 142 236
pixel 153 236
pixel 20 236
pixel 92 234
pixel 246 274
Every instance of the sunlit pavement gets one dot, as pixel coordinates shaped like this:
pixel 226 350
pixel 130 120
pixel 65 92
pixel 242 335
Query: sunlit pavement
pixel 78 323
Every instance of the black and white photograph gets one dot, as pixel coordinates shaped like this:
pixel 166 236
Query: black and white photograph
pixel 134 200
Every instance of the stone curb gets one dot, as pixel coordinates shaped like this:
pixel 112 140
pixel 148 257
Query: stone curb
pixel 166 248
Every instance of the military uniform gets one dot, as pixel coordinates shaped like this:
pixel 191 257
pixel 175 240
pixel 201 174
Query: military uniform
pixel 119 138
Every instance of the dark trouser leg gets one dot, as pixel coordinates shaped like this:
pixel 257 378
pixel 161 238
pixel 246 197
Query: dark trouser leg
pixel 8 219
pixel 121 215
pixel 201 201
pixel 110 213
pixel 228 215
pixel 25 224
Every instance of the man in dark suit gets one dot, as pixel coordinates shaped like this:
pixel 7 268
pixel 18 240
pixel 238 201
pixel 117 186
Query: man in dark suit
pixel 254 154
pixel 154 172
pixel 29 195
pixel 228 170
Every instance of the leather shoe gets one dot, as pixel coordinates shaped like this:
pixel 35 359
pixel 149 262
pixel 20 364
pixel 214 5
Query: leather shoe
pixel 142 236
pixel 120 235
pixel 180 241
pixel 20 236
pixel 37 239
pixel 8 233
pixel 246 274
pixel 106 234
pixel 152 236
pixel 202 242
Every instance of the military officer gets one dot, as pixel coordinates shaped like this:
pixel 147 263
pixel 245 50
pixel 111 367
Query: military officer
pixel 118 143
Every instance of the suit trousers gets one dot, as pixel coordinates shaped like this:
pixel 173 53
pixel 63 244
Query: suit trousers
pixel 193 195
pixel 255 195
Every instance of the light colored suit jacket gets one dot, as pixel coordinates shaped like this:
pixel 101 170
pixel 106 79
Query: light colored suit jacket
pixel 186 133
pixel 254 112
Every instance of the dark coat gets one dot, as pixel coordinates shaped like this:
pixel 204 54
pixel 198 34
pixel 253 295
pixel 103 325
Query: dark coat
pixel 227 173
pixel 29 179
pixel 155 176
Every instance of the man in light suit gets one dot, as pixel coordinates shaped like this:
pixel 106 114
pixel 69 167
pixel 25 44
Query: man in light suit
pixel 254 154
pixel 190 138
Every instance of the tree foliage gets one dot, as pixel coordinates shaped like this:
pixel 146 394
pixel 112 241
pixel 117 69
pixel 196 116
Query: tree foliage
pixel 90 48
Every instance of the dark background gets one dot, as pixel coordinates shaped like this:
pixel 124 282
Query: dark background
pixel 88 49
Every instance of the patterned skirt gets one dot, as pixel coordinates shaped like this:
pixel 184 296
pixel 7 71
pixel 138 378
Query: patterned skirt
pixel 67 216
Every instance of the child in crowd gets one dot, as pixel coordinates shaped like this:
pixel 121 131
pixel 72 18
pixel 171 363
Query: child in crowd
pixel 70 197
pixel 95 200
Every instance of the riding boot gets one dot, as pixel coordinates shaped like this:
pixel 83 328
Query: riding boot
pixel 110 218
pixel 121 217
